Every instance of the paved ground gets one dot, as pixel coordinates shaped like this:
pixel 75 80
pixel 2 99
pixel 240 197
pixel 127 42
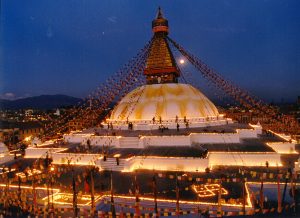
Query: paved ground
pixel 124 183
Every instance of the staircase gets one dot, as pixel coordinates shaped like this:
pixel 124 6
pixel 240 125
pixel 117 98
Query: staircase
pixel 111 164
pixel 129 142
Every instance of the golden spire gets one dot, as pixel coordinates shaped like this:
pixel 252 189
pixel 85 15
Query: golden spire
pixel 161 66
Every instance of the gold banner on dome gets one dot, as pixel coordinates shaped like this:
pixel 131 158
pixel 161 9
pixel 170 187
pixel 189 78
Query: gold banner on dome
pixel 165 101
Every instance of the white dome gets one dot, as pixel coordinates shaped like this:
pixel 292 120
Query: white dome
pixel 164 100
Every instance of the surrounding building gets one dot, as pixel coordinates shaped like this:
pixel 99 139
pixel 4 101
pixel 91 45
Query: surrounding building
pixel 13 132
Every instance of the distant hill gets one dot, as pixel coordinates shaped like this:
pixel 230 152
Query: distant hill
pixel 39 102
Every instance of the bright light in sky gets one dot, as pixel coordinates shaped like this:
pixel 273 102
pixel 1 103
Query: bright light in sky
pixel 181 61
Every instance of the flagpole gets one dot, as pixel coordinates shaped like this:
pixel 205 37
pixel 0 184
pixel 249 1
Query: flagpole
pixel 261 194
pixel 92 192
pixel 34 195
pixel 75 209
pixel 219 212
pixel 48 191
pixel 20 194
pixel 244 197
pixel 198 208
pixel 293 191
pixel 177 197
pixel 112 202
pixel 137 205
pixel 52 196
pixel 279 209
pixel 7 193
pixel 155 196
pixel 285 187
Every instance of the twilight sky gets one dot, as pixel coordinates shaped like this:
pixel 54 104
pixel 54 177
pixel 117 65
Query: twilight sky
pixel 70 47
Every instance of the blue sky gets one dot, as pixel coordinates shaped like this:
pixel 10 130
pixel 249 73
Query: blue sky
pixel 70 47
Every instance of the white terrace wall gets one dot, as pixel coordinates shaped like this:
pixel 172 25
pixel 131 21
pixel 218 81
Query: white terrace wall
pixel 247 133
pixel 75 138
pixel 173 140
pixel 166 141
pixel 283 147
pixel 103 140
pixel 188 140
pixel 95 140
pixel 40 152
pixel 76 159
pixel 244 159
pixel 167 163
pixel 62 158
pixel 214 138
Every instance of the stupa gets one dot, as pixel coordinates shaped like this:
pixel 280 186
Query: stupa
pixel 163 101
pixel 172 126
pixel 156 129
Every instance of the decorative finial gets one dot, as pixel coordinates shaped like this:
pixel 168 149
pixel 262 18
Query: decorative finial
pixel 159 14
pixel 160 24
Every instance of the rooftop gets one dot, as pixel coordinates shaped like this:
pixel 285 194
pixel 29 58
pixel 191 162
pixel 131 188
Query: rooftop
pixel 20 125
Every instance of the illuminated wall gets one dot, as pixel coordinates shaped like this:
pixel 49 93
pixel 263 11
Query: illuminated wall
pixel 75 138
pixel 166 141
pixel 244 159
pixel 161 163
pixel 41 152
pixel 168 164
pixel 214 138
pixel 77 159
pixel 247 133
pixel 283 147
pixel 94 140
pixel 172 140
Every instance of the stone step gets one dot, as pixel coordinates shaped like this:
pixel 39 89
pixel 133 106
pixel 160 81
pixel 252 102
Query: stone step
pixel 112 167
pixel 111 164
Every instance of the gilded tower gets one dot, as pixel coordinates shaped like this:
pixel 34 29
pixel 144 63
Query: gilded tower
pixel 161 66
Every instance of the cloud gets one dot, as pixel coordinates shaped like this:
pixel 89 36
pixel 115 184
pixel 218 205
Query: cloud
pixel 8 96
pixel 12 96
pixel 112 19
